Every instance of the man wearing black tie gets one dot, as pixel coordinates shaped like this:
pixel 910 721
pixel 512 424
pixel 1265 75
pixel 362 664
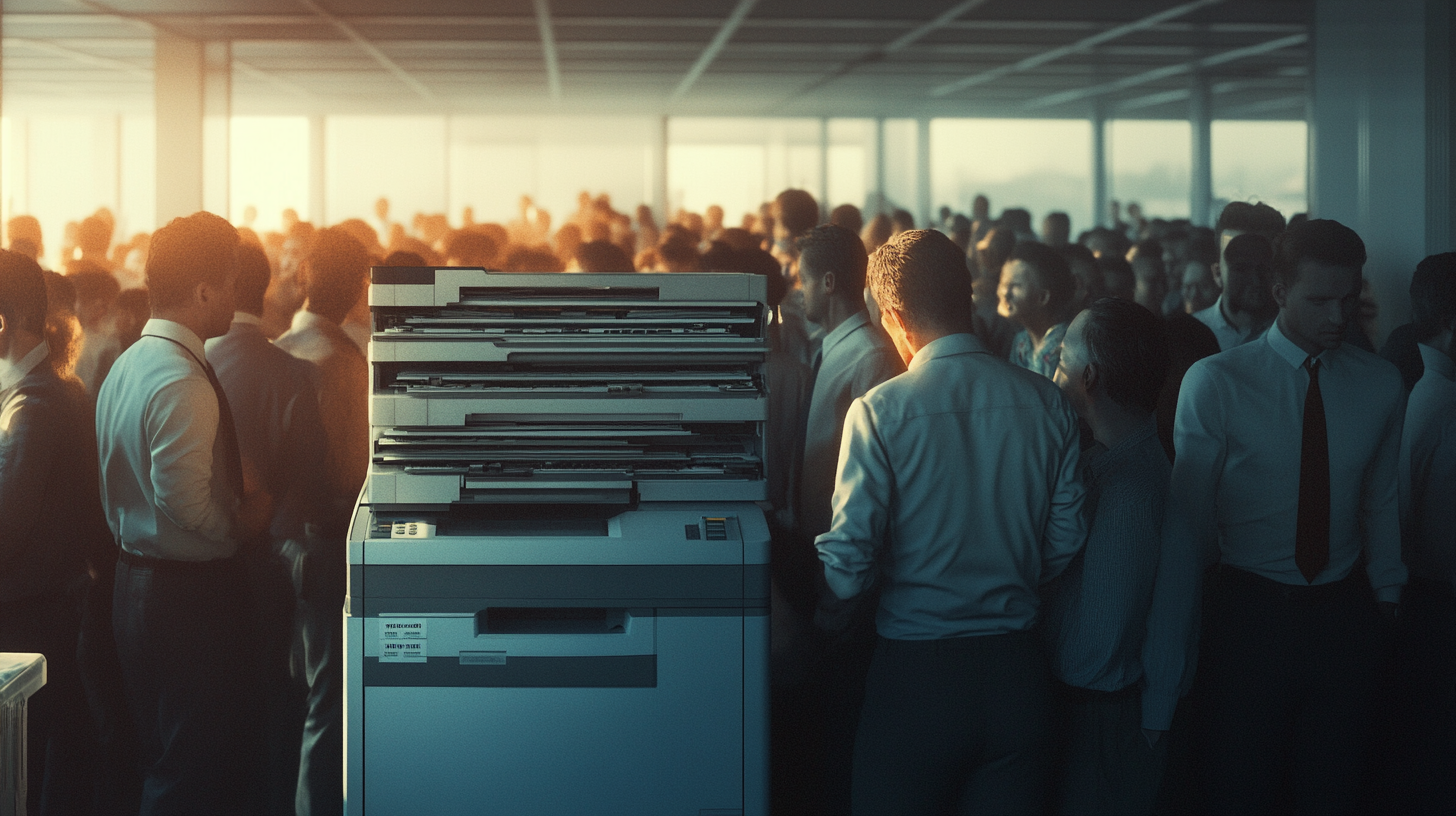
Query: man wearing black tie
pixel 1288 450
pixel 179 505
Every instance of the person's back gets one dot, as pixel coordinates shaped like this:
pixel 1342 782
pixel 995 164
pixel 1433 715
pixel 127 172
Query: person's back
pixel 333 283
pixel 957 495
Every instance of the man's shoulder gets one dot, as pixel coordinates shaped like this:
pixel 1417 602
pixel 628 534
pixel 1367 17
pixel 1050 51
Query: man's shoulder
pixel 1372 368
pixel 974 380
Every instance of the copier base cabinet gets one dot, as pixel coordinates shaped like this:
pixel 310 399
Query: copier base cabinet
pixel 616 668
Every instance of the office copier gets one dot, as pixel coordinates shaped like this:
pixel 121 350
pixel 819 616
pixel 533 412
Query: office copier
pixel 558 575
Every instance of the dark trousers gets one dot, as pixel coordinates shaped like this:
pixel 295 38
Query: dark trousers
pixel 118 787
pixel 1416 757
pixel 959 725
pixel 59 739
pixel 270 576
pixel 185 640
pixel 1106 764
pixel 321 585
pixel 1284 686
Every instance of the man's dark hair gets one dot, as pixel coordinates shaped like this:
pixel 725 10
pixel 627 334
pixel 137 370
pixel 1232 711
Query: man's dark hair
pixel 252 281
pixel 95 285
pixel 188 252
pixel 797 211
pixel 602 256
pixel 922 275
pixel 404 257
pixel 1321 240
pixel 847 216
pixel 1203 246
pixel 1058 225
pixel 1017 219
pixel 334 279
pixel 1118 279
pixel 1245 217
pixel 22 292
pixel 470 248
pixel 755 261
pixel 999 243
pixel 1129 346
pixel 1052 270
pixel 1433 294
pixel 835 249
pixel 93 235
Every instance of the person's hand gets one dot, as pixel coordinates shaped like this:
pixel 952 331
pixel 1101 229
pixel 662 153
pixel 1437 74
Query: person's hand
pixel 1152 736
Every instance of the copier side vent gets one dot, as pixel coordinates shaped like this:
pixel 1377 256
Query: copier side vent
pixel 553 620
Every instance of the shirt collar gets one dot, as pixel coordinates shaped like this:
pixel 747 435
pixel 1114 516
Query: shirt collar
pixel 1437 362
pixel 172 330
pixel 11 375
pixel 304 319
pixel 843 330
pixel 245 317
pixel 1285 348
pixel 950 344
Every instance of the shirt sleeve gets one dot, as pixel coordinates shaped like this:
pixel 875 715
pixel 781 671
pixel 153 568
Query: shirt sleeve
pixel 181 424
pixel 1380 509
pixel 1190 542
pixel 1066 527
pixel 27 448
pixel 861 506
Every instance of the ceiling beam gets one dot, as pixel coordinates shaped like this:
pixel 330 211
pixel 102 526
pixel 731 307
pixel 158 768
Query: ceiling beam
pixel 710 53
pixel 548 49
pixel 1283 103
pixel 47 47
pixel 370 48
pixel 1164 72
pixel 1181 94
pixel 875 55
pixel 1067 50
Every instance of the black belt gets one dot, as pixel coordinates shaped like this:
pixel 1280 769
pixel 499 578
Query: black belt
pixel 1235 577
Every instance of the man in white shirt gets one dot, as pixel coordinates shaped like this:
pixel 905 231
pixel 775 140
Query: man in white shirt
pixel 1288 448
pixel 854 357
pixel 177 502
pixel 1243 309
pixel 1424 751
pixel 958 494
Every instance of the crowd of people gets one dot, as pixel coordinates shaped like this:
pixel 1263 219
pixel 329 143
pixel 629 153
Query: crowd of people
pixel 1132 523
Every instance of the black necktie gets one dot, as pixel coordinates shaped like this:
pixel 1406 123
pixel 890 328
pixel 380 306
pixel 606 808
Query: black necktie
pixel 227 432
pixel 1312 533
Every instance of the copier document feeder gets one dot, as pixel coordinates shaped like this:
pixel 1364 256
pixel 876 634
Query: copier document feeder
pixel 558 574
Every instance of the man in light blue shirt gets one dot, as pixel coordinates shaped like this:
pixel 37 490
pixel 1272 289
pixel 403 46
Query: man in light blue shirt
pixel 958 494
pixel 1286 479
pixel 1244 309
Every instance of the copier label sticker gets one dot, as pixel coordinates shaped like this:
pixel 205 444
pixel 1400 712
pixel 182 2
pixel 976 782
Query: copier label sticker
pixel 402 651
pixel 402 629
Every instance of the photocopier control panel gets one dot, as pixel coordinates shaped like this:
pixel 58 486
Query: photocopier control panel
pixel 558 571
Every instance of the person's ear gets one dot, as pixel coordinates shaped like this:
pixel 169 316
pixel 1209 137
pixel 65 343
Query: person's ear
pixel 1215 271
pixel 1091 377
pixel 1280 292
pixel 828 283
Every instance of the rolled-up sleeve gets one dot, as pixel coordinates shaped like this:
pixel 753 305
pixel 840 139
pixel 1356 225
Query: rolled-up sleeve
pixel 181 426
pixel 861 506
pixel 1190 541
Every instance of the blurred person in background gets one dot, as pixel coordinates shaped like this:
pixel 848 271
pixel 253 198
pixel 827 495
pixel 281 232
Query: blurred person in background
pixel 96 295
pixel 1036 293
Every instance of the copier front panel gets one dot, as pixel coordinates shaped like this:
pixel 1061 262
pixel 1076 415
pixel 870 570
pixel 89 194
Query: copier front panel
pixel 591 662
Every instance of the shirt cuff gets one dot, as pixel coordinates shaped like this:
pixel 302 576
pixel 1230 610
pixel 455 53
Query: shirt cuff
pixel 1158 708
pixel 1390 594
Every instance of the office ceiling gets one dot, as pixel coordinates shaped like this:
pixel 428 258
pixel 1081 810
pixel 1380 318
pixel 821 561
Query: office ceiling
pixel 1023 58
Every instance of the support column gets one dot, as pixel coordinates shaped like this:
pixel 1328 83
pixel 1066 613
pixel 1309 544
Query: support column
pixel 877 198
pixel 1200 117
pixel 1099 166
pixel 924 218
pixel 193 107
pixel 1380 136
pixel 824 206
pixel 317 172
